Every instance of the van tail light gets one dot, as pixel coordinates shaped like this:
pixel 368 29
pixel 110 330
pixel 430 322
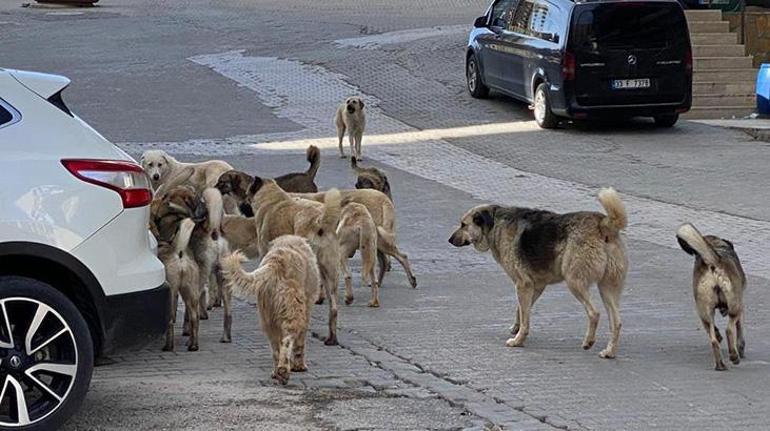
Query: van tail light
pixel 568 66
pixel 688 62
pixel 126 178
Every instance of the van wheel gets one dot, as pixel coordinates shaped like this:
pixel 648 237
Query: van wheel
pixel 46 356
pixel 473 77
pixel 666 120
pixel 543 115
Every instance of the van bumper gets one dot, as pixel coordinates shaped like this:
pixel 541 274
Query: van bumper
pixel 135 320
pixel 623 111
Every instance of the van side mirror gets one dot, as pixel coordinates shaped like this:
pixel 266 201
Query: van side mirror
pixel 480 22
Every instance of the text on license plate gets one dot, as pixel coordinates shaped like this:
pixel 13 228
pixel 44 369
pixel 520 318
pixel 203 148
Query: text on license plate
pixel 625 84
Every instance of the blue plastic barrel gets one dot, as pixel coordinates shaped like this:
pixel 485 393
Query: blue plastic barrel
pixel 763 90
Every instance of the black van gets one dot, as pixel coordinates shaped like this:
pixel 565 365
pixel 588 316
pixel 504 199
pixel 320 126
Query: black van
pixel 584 59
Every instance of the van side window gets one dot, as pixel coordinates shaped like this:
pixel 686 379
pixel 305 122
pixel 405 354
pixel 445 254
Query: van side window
pixel 502 12
pixel 544 23
pixel 522 17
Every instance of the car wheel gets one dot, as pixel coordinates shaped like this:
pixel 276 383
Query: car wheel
pixel 544 117
pixel 46 356
pixel 473 77
pixel 666 120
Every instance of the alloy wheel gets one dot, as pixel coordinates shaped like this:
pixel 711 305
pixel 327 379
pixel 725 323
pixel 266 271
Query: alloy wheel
pixel 540 107
pixel 471 75
pixel 38 359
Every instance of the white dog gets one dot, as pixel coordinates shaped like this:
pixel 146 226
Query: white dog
pixel 160 166
pixel 351 117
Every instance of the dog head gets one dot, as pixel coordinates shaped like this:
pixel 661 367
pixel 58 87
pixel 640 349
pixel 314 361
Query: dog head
pixel 234 183
pixel 475 225
pixel 156 164
pixel 371 178
pixel 354 104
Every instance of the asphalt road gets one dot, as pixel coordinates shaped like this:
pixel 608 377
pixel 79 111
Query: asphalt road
pixel 254 82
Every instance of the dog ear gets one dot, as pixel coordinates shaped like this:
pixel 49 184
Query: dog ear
pixel 361 102
pixel 255 186
pixel 686 247
pixel 484 219
pixel 729 244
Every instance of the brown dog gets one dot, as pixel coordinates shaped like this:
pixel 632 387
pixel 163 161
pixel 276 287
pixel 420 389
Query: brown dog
pixel 718 282
pixel 537 248
pixel 357 231
pixel 384 215
pixel 371 178
pixel 285 286
pixel 241 234
pixel 183 279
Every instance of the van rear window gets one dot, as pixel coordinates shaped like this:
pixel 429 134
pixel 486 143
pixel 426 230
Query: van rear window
pixel 626 25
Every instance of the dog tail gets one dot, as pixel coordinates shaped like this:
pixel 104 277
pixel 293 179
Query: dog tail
pixel 693 243
pixel 616 219
pixel 332 211
pixel 245 284
pixel 314 158
pixel 216 211
pixel 182 239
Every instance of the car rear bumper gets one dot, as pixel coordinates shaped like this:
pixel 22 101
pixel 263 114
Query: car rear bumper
pixel 134 320
pixel 614 111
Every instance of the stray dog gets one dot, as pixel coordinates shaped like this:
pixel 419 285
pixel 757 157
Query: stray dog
pixel 537 248
pixel 160 166
pixel 182 277
pixel 371 178
pixel 241 234
pixel 285 285
pixel 351 117
pixel 277 213
pixel 718 282
pixel 384 215
pixel 357 231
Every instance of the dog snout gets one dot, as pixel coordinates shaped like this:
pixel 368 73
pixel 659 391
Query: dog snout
pixel 351 108
pixel 457 240
pixel 155 177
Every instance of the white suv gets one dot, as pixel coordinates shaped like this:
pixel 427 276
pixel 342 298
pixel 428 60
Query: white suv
pixel 79 277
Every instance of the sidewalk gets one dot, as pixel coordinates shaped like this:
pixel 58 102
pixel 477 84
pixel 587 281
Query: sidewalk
pixel 757 128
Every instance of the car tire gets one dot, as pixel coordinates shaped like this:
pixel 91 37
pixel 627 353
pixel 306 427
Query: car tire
pixel 60 348
pixel 667 120
pixel 544 117
pixel 475 84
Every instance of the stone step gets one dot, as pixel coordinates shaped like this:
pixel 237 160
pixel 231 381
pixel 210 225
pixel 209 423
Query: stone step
pixel 713 113
pixel 744 88
pixel 700 39
pixel 719 101
pixel 710 63
pixel 725 75
pixel 703 15
pixel 718 51
pixel 709 27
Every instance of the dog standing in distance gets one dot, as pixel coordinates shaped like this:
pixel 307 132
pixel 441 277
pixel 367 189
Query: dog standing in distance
pixel 351 117
pixel 357 231
pixel 537 248
pixel 718 282
pixel 285 286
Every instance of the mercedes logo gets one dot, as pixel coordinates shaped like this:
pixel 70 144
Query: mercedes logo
pixel 15 362
pixel 631 59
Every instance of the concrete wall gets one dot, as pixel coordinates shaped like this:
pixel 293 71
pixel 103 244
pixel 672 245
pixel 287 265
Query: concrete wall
pixel 757 35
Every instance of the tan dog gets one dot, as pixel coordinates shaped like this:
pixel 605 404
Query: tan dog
pixel 241 234
pixel 160 166
pixel 537 248
pixel 371 178
pixel 276 213
pixel 357 231
pixel 384 215
pixel 718 282
pixel 351 117
pixel 182 277
pixel 285 286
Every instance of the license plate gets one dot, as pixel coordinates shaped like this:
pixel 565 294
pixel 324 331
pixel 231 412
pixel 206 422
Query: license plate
pixel 629 84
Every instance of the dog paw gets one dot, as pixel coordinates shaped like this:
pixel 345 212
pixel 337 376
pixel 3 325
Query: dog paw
pixel 342 156
pixel 226 340
pixel 299 368
pixel 319 301
pixel 413 282
pixel 512 342
pixel 742 349
pixel 217 304
pixel 204 316
pixel 348 300
pixel 282 375
pixel 588 344
pixel 735 358
pixel 607 354
pixel 192 348
pixel 374 303
pixel 720 366
pixel 331 341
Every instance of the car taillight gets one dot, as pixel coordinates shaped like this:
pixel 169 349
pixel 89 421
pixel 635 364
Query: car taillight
pixel 568 66
pixel 126 178
pixel 688 61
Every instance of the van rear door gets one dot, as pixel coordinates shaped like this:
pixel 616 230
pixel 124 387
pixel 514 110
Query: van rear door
pixel 630 53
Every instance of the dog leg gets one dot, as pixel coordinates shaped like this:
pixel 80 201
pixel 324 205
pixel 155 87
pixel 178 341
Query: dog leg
pixel 215 299
pixel 359 138
pixel 340 137
pixel 384 263
pixel 169 346
pixel 284 359
pixel 732 345
pixel 367 276
pixel 389 247
pixel 321 297
pixel 348 278
pixel 192 304
pixel 227 300
pixel 708 325
pixel 298 361
pixel 186 324
pixel 741 341
pixel 536 294
pixel 580 288
pixel 352 141
pixel 524 292
pixel 610 293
